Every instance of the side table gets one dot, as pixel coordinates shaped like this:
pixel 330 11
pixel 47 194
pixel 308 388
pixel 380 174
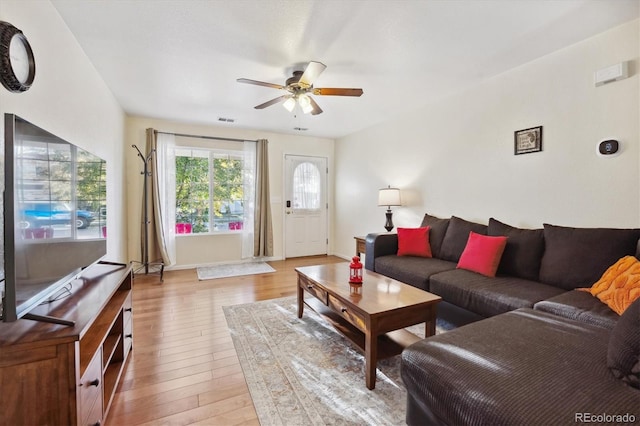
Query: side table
pixel 360 245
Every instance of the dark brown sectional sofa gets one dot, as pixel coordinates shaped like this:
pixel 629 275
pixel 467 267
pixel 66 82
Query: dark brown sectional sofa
pixel 536 350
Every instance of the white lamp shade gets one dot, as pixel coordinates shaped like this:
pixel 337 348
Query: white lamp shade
pixel 389 197
pixel 289 104
pixel 305 103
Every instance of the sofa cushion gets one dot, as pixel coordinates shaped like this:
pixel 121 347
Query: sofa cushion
pixel 411 270
pixel 523 253
pixel 623 356
pixel 414 242
pixel 482 254
pixel 577 257
pixel 437 229
pixel 520 368
pixel 580 306
pixel 455 239
pixel 489 296
pixel 619 286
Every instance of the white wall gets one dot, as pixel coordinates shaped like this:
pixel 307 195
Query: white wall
pixel 194 250
pixel 455 156
pixel 69 99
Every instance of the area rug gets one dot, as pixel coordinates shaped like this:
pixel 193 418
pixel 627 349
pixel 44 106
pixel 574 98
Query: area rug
pixel 303 372
pixel 233 270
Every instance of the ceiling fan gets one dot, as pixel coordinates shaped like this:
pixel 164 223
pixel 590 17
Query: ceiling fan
pixel 300 86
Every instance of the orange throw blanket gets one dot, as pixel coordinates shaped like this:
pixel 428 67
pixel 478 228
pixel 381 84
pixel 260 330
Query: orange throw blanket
pixel 619 286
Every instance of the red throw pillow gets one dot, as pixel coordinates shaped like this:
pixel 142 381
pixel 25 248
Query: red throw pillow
pixel 414 242
pixel 482 254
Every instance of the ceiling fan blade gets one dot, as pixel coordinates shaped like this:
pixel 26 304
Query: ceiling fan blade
pixel 316 109
pixel 273 101
pixel 333 91
pixel 313 70
pixel 259 83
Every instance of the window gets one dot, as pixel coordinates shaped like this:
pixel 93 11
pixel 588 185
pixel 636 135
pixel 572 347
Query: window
pixel 306 186
pixel 209 190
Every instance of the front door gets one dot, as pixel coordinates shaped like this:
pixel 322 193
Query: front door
pixel 305 206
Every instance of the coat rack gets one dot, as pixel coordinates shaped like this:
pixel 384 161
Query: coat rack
pixel 145 264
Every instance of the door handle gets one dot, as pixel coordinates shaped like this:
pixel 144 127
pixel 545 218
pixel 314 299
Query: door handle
pixel 288 204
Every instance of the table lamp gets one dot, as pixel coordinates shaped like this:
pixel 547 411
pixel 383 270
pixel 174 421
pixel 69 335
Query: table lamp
pixel 389 197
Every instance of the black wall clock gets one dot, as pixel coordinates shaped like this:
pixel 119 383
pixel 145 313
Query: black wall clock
pixel 17 65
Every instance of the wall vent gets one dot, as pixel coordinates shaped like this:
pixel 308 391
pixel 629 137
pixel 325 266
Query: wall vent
pixel 226 120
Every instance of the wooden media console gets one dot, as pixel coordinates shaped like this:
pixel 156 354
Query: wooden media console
pixel 55 374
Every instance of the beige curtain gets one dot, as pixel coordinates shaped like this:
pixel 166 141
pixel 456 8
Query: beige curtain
pixel 263 230
pixel 157 247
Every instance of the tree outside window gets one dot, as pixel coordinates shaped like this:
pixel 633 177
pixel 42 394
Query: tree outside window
pixel 209 191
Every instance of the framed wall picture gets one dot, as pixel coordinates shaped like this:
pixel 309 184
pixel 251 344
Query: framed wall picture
pixel 528 140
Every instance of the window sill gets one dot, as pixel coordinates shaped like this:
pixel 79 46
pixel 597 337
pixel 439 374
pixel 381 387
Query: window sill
pixel 208 234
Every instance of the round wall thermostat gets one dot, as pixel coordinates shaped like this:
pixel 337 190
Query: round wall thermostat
pixel 609 147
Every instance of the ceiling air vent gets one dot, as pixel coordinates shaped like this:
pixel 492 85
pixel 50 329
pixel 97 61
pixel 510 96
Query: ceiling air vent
pixel 226 120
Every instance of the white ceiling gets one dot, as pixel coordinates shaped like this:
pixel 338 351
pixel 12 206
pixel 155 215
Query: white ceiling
pixel 179 59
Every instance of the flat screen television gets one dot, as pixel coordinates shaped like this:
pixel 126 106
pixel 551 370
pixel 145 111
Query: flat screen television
pixel 54 216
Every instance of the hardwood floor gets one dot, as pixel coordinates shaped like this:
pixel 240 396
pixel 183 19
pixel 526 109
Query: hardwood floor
pixel 184 368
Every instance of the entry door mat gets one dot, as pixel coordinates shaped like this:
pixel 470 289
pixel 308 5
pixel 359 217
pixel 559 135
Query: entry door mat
pixel 303 372
pixel 233 270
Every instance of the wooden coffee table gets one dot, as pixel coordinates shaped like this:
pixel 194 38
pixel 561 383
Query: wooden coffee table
pixel 372 315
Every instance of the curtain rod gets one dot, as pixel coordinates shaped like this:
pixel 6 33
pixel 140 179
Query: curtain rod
pixel 206 137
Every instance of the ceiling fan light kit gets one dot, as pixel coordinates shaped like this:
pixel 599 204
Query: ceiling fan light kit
pixel 289 104
pixel 305 103
pixel 300 86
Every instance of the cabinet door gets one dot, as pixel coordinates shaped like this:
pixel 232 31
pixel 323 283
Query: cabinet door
pixel 36 386
pixel 90 392
pixel 128 325
pixel 95 415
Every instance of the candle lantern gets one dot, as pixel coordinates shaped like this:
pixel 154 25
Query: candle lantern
pixel 355 271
